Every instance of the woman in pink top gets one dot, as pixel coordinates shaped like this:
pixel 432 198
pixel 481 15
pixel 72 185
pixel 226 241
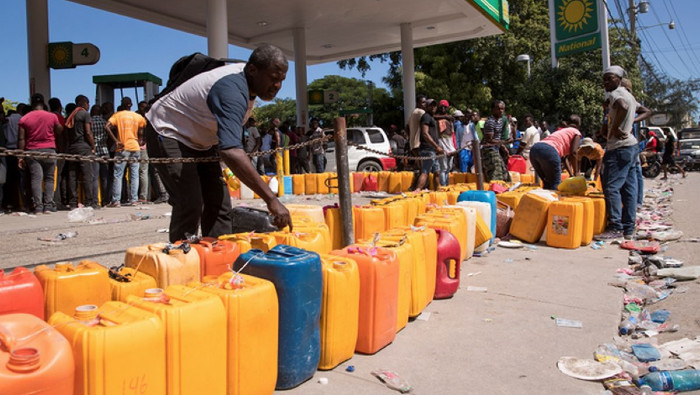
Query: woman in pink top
pixel 546 156
pixel 37 132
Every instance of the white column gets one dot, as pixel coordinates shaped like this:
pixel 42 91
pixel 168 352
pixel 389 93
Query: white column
pixel 37 47
pixel 217 29
pixel 300 76
pixel 604 40
pixel 408 67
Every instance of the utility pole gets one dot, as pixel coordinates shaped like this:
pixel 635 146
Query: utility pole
pixel 633 19
pixel 370 116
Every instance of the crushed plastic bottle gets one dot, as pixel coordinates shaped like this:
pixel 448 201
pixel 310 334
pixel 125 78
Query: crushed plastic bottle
pixel 80 214
pixel 392 380
pixel 677 380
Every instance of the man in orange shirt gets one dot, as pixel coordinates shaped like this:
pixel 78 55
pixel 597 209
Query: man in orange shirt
pixel 129 137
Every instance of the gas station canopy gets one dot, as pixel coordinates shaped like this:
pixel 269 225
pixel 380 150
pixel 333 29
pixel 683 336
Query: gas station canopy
pixel 334 29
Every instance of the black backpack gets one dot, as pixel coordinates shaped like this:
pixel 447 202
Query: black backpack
pixel 185 68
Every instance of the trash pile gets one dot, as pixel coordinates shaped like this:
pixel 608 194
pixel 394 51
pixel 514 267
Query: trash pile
pixel 635 362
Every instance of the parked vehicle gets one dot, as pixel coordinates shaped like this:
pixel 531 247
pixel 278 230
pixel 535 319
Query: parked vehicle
pixel 657 130
pixel 689 134
pixel 360 160
pixel 689 153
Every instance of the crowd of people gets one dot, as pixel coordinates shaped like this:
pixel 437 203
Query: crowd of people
pixel 43 185
pixel 265 137
pixel 612 153
pixel 433 129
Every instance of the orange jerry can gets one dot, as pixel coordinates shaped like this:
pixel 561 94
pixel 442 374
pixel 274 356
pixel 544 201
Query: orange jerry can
pixel 125 281
pixel 379 289
pixel 406 180
pixel 599 218
pixel 252 315
pixel 511 198
pixel 527 178
pixel 340 309
pixel 383 181
pixel 424 243
pixel 298 184
pixel 452 197
pixel 453 220
pixel 335 226
pixel 21 292
pixel 588 218
pixel 565 224
pixel 411 206
pixel 306 238
pixel 195 361
pixel 438 197
pixel 34 357
pixel 460 178
pixel 395 180
pixel 215 256
pixel 167 263
pixel 394 215
pixel 67 287
pixel 405 256
pixel 315 213
pixel 252 240
pixel 530 217
pixel 368 220
pixel 118 349
pixel 310 181
pixel 321 183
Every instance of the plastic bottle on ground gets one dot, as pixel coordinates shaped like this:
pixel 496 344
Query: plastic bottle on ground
pixel 678 380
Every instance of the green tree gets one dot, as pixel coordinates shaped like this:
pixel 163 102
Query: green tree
pixel 284 109
pixel 669 95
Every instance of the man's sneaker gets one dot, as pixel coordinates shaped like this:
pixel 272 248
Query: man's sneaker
pixel 609 235
pixel 114 204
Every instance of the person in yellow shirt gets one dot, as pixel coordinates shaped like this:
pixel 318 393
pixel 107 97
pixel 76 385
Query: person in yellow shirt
pixel 128 136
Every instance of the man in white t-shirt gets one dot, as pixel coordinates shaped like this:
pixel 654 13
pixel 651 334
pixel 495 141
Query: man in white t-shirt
pixel 530 136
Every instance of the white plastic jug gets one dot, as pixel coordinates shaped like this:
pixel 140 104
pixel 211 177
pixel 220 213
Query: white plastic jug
pixel 484 210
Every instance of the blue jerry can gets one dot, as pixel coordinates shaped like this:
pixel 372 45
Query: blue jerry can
pixel 298 279
pixel 483 196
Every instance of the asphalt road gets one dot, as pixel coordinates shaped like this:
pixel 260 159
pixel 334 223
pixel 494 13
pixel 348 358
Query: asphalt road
pixel 502 341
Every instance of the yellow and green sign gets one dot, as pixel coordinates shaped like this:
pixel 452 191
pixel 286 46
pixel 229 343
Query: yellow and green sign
pixel 577 27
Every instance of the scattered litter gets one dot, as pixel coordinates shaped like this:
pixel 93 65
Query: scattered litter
pixel 510 244
pixel 667 235
pixel 163 230
pixel 509 260
pixel 392 380
pixel 473 274
pixel 476 289
pixel 424 316
pixel 139 216
pixel 59 237
pixel 669 364
pixel 80 214
pixel 646 352
pixel 588 369
pixel 350 368
pixel 686 349
pixel 168 214
pixel 660 316
pixel 323 380
pixel 681 273
pixel 565 323
pixel 488 320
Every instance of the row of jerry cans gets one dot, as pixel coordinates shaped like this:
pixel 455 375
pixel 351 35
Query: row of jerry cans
pixel 567 222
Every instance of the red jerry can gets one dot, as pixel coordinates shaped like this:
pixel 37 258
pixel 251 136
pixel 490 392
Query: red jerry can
pixel 517 163
pixel 448 265
pixel 21 292
pixel 370 183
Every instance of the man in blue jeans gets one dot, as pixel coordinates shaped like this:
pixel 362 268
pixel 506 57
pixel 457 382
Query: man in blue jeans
pixel 428 144
pixel 620 160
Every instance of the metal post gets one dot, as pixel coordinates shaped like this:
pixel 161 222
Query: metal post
pixel 280 173
pixel 37 43
pixel 341 160
pixel 477 165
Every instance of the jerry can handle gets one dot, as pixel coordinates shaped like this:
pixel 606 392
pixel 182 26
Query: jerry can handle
pixel 7 338
pixel 281 253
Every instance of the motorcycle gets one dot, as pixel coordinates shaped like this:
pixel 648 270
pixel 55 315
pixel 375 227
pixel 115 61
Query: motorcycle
pixel 653 167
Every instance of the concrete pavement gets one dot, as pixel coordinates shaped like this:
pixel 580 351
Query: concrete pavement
pixel 502 341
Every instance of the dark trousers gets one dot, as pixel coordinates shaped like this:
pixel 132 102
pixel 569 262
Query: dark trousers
pixel 197 192
pixel 83 173
pixel 41 181
pixel 12 196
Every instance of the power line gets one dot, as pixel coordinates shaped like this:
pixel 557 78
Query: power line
pixel 681 28
pixel 651 43
pixel 653 11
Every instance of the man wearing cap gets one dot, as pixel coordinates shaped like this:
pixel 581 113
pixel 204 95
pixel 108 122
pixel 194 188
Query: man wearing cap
pixel 620 159
pixel 594 152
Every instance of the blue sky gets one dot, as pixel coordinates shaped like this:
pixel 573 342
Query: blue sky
pixel 128 45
